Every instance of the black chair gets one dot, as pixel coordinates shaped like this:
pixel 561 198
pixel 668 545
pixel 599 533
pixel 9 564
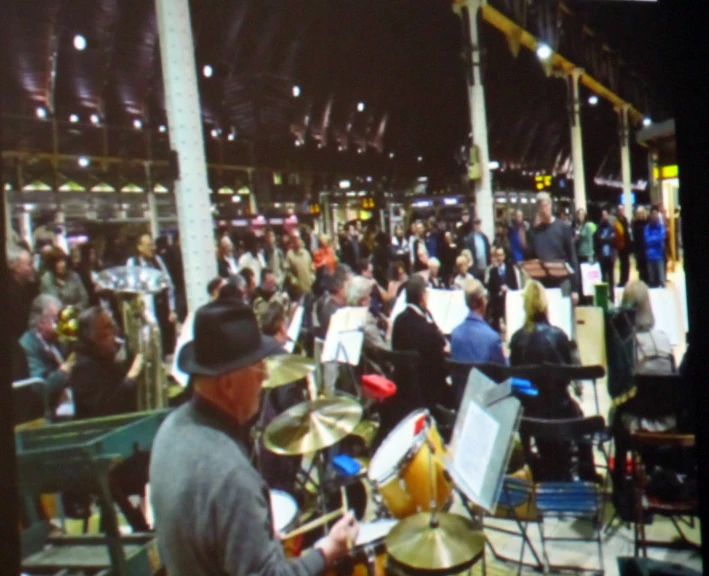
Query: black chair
pixel 459 372
pixel 573 372
pixel 570 498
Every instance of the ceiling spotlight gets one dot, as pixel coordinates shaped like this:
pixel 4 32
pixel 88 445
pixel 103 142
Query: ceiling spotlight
pixel 493 165
pixel 544 52
pixel 419 159
pixel 84 161
pixel 215 133
pixel 231 137
pixel 73 118
pixel 162 128
pixel 207 71
pixel 95 119
pixel 296 91
pixel 369 178
pixel 41 113
pixel 137 124
pixel 79 42
pixel 360 107
pixel 391 154
pixel 319 144
pixel 647 122
pixel 593 100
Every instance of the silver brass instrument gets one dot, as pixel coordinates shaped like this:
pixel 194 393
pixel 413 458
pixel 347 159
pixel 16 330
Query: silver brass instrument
pixel 131 284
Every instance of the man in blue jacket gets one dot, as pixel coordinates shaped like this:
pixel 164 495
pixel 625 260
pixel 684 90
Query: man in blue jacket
pixel 655 249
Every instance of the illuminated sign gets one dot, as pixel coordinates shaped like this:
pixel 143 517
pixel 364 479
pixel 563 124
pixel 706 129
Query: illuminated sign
pixel 666 172
pixel 367 203
pixel 542 182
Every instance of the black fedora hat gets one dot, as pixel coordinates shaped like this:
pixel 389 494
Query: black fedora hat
pixel 226 338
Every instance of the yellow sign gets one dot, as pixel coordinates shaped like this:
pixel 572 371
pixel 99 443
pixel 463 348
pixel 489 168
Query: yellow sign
pixel 367 203
pixel 315 208
pixel 666 172
pixel 542 181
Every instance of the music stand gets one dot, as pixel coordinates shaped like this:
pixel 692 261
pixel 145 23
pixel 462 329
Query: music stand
pixel 553 271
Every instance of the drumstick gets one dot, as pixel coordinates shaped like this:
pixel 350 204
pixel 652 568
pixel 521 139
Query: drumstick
pixel 345 508
pixel 312 525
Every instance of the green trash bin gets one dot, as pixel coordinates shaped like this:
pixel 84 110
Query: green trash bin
pixel 601 296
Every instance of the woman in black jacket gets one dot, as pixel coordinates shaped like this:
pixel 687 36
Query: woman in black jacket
pixel 537 343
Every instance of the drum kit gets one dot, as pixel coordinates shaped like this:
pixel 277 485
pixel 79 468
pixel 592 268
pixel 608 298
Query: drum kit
pixel 412 533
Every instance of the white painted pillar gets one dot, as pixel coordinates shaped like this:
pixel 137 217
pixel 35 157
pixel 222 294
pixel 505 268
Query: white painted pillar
pixel 152 214
pixel 194 212
pixel 26 226
pixel 625 158
pixel 484 202
pixel 577 142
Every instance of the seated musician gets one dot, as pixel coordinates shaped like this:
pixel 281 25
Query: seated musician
pixel 415 330
pixel 267 292
pixel 359 293
pixel 536 343
pixel 41 347
pixel 334 299
pixel 211 505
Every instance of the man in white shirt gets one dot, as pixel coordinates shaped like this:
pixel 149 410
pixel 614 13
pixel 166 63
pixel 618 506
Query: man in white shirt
pixel 252 257
pixel 226 263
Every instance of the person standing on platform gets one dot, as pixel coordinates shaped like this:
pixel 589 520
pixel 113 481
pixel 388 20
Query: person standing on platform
pixel 639 249
pixel 350 247
pixel 623 245
pixel 163 308
pixel 252 257
pixel 324 260
pixel 655 249
pixel 300 272
pixel 551 240
pixel 62 282
pixel 479 245
pixel 400 246
pixel 273 257
pixel 433 238
pixel 212 511
pixel 518 237
pixel 502 276
pixel 605 248
pixel 226 263
pixel 583 235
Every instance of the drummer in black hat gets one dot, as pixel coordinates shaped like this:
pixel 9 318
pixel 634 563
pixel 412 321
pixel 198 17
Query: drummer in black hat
pixel 212 511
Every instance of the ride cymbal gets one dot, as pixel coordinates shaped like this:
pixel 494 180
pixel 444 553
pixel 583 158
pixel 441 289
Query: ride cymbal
pixel 286 369
pixel 311 426
pixel 452 543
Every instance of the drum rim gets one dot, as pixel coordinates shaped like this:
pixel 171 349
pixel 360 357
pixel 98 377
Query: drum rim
pixel 419 441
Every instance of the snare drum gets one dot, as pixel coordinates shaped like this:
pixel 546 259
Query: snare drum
pixel 402 470
pixel 283 512
pixel 368 556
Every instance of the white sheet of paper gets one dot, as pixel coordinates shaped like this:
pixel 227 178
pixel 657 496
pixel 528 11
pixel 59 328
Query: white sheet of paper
pixel 345 347
pixel 399 307
pixel 347 319
pixel 294 329
pixel 590 276
pixel 439 302
pixel 475 447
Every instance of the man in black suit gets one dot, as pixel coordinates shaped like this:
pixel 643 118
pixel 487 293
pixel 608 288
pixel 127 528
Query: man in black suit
pixel 479 245
pixel 349 247
pixel 502 276
pixel 415 330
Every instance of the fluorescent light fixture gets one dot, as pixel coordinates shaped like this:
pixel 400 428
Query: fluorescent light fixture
pixel 391 154
pixel 544 52
pixel 360 107
pixel 137 124
pixel 593 99
pixel 41 112
pixel 231 137
pixel 162 128
pixel 423 179
pixel 207 71
pixel 422 204
pixel 646 122
pixel 351 194
pixel 95 119
pixel 493 165
pixel 501 200
pixel 73 118
pixel 344 184
pixel 524 200
pixel 84 161
pixel 362 193
pixel 420 159
pixel 296 91
pixel 450 201
pixel 79 42
pixel 215 133
pixel 236 199
pixel 369 178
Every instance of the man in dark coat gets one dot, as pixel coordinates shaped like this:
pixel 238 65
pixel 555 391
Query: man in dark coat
pixel 502 276
pixel 21 291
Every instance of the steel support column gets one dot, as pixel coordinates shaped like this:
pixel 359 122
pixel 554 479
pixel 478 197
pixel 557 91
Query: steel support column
pixel 624 126
pixel 484 202
pixel 577 141
pixel 194 213
pixel 654 183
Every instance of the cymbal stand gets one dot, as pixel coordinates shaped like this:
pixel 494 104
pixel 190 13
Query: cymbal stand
pixel 258 429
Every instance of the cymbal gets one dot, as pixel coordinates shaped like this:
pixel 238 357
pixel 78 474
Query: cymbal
pixel 311 426
pixel 455 543
pixel 285 369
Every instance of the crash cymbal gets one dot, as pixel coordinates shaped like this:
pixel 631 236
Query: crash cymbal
pixel 286 368
pixel 454 543
pixel 312 426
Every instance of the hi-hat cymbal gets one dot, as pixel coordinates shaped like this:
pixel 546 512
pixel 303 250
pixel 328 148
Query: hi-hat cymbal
pixel 454 543
pixel 285 369
pixel 311 426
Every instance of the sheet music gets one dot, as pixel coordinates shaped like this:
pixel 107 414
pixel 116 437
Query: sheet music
pixel 348 319
pixel 344 347
pixel 475 449
pixel 294 329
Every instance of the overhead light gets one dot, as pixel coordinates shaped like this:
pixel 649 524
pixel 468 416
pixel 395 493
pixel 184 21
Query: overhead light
pixel 450 201
pixel 162 128
pixel 296 91
pixel 544 52
pixel 493 165
pixel 215 133
pixel 231 137
pixel 79 42
pixel 359 150
pixel 593 99
pixel 344 184
pixel 360 107
pixel 95 119
pixel 207 71
pixel 391 154
pixel 369 178
pixel 73 118
pixel 420 159
pixel 137 124
pixel 41 112
pixel 423 179
pixel 84 161
pixel 646 122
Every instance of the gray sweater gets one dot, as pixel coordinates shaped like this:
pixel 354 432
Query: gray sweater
pixel 555 241
pixel 212 512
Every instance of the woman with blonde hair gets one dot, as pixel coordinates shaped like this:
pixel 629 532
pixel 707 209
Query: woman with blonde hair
pixel 538 343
